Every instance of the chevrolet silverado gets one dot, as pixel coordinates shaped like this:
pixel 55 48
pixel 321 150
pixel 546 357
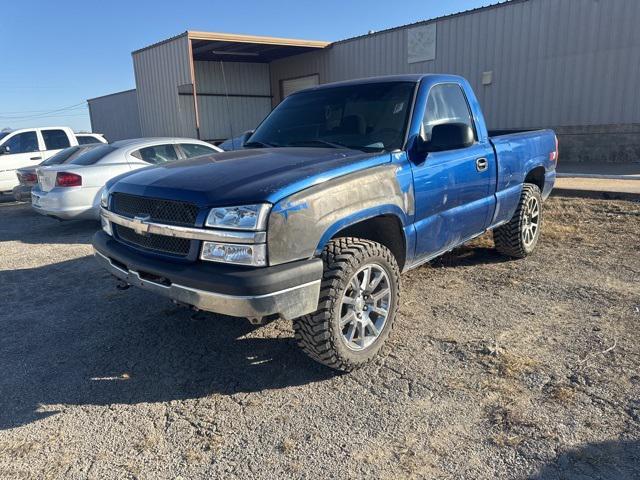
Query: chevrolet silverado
pixel 340 189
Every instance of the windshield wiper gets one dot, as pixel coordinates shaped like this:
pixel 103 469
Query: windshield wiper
pixel 317 142
pixel 255 143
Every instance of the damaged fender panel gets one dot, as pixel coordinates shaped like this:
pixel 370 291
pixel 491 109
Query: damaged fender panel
pixel 301 224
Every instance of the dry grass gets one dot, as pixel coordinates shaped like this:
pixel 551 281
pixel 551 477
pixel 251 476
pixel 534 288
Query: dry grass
pixel 288 445
pixel 193 456
pixel 507 364
pixel 502 439
pixel 19 449
pixel 562 394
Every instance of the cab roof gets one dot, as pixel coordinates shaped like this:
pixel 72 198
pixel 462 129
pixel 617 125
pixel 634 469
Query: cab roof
pixel 411 78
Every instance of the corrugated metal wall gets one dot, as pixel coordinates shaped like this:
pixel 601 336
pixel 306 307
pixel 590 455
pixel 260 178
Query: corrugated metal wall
pixel 250 101
pixel 554 62
pixel 159 71
pixel 115 115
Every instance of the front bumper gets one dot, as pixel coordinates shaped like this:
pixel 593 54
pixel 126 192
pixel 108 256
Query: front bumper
pixel 288 290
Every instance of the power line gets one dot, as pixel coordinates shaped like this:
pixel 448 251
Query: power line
pixel 44 114
pixel 48 116
pixel 72 111
pixel 29 111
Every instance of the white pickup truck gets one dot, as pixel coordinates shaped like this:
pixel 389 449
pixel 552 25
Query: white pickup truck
pixel 27 147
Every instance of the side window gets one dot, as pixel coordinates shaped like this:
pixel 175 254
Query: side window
pixel 446 104
pixel 86 140
pixel 23 143
pixel 55 139
pixel 195 150
pixel 157 154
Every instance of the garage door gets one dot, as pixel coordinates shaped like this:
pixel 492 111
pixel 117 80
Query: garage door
pixel 294 84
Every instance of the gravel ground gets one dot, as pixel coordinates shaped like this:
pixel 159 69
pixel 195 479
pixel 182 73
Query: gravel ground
pixel 497 369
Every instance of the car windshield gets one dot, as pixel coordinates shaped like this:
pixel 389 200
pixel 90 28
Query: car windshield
pixel 93 155
pixel 4 134
pixel 368 117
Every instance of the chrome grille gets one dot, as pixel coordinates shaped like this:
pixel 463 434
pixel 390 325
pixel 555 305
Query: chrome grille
pixel 161 211
pixel 157 243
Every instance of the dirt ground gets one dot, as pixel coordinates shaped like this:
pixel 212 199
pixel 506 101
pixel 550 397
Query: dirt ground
pixel 497 369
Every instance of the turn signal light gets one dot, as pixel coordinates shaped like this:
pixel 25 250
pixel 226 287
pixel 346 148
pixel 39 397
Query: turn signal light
pixel 66 179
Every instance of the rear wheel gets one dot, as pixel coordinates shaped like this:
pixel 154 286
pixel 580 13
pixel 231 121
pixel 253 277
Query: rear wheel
pixel 358 303
pixel 519 237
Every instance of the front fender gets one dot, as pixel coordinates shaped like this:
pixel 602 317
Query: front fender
pixel 301 224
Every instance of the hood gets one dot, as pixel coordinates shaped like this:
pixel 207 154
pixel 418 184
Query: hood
pixel 245 176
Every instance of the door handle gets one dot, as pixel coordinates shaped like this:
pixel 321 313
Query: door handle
pixel 482 164
pixel 35 158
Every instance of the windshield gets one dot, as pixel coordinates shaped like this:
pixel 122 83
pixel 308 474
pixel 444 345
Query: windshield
pixel 93 155
pixel 4 134
pixel 368 117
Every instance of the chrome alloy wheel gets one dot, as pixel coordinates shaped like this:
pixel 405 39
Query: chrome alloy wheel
pixel 365 307
pixel 531 221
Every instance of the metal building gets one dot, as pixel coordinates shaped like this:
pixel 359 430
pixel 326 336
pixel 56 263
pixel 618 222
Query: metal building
pixel 571 65
pixel 116 116
pixel 208 85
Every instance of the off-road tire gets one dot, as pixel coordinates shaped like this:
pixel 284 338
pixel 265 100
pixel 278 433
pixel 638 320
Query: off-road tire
pixel 508 238
pixel 319 334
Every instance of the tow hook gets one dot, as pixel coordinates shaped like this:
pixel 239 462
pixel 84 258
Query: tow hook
pixel 122 285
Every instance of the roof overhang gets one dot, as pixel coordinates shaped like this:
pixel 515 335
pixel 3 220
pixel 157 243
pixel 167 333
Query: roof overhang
pixel 211 46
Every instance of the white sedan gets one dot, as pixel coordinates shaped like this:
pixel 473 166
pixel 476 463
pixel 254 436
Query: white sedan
pixel 72 190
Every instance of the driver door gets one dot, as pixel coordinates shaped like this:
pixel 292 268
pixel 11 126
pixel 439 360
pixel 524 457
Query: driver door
pixel 23 150
pixel 453 194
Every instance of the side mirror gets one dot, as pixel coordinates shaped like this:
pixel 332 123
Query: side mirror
pixel 245 136
pixel 447 136
pixel 4 149
pixel 451 136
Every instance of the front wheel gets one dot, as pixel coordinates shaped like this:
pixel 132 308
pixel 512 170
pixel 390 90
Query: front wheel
pixel 519 237
pixel 358 304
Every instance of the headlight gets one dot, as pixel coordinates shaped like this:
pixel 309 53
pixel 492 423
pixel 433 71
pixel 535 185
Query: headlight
pixel 104 198
pixel 253 255
pixel 247 217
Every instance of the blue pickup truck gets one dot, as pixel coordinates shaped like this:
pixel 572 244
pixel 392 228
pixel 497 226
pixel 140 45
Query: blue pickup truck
pixel 339 190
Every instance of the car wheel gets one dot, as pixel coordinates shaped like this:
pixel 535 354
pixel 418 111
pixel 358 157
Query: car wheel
pixel 358 305
pixel 519 237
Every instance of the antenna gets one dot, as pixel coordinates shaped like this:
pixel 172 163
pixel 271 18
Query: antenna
pixel 226 96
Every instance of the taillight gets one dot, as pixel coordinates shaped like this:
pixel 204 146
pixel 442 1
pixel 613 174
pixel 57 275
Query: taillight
pixel 66 179
pixel 27 177
pixel 553 156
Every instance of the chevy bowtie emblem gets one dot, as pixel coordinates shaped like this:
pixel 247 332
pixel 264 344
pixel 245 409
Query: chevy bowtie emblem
pixel 140 225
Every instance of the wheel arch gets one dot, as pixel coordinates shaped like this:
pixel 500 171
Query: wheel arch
pixel 536 176
pixel 384 226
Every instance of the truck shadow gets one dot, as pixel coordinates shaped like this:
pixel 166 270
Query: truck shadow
pixel 619 460
pixel 469 255
pixel 19 222
pixel 70 338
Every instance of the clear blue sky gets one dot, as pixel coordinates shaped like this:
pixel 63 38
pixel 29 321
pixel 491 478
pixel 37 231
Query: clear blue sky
pixel 56 54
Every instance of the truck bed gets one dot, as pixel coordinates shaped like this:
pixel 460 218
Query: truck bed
pixel 518 152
